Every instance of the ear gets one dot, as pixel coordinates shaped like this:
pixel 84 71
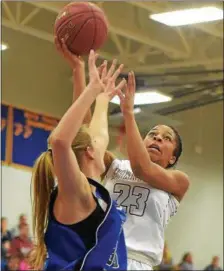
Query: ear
pixel 90 153
pixel 172 160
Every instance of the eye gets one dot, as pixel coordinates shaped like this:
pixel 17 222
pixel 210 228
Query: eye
pixel 168 138
pixel 151 134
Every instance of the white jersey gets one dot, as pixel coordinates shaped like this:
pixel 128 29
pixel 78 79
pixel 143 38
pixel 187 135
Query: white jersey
pixel 148 212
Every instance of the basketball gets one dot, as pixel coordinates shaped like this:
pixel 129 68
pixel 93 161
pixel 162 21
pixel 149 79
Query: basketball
pixel 83 26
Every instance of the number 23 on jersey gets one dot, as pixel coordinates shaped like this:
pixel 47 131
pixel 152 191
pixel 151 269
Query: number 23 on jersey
pixel 133 199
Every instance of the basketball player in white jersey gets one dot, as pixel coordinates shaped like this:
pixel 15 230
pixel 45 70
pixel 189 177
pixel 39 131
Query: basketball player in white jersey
pixel 145 185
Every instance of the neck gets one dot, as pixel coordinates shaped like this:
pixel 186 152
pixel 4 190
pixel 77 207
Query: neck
pixel 90 172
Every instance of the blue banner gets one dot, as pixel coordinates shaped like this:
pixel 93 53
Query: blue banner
pixel 4 118
pixel 30 134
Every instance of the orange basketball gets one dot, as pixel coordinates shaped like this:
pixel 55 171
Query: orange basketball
pixel 83 26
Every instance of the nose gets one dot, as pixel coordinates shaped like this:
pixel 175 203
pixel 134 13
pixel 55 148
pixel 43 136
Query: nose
pixel 157 138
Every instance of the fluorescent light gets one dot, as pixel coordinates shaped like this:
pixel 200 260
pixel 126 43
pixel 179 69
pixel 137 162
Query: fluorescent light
pixel 150 97
pixel 189 16
pixel 3 46
pixel 137 110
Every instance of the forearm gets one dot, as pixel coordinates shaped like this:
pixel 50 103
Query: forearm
pixel 79 84
pixel 75 115
pixel 99 122
pixel 137 153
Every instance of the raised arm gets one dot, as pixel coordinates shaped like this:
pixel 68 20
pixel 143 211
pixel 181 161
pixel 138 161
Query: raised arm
pixel 171 181
pixel 78 74
pixel 70 179
pixel 99 123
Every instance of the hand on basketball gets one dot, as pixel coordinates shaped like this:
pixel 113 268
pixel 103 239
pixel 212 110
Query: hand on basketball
pixel 74 61
pixel 127 98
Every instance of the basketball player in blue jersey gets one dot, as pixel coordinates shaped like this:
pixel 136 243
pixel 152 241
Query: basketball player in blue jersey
pixel 146 186
pixel 76 224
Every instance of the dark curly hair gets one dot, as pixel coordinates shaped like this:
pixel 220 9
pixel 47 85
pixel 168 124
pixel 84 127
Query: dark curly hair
pixel 179 148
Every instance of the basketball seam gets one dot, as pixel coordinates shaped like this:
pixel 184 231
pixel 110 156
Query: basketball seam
pixel 99 19
pixel 65 20
pixel 80 30
pixel 95 19
pixel 58 30
pixel 80 27
pixel 91 11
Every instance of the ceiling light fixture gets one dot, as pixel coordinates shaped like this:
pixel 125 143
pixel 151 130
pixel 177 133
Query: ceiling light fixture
pixel 188 16
pixel 149 97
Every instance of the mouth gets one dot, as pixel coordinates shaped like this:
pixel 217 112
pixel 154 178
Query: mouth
pixel 154 147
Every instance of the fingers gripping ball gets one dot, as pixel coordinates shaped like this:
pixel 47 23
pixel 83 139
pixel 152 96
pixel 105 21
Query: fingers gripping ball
pixel 83 26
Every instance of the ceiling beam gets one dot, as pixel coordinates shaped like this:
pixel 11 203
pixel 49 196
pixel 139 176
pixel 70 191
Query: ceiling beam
pixel 8 12
pixel 18 11
pixel 30 16
pixel 41 34
pixel 28 30
pixel 117 42
pixel 50 6
pixel 141 36
pixel 142 68
pixel 179 64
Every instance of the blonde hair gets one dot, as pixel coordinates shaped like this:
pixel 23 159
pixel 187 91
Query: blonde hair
pixel 43 183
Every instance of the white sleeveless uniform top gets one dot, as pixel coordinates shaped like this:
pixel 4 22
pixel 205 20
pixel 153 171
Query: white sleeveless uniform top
pixel 148 212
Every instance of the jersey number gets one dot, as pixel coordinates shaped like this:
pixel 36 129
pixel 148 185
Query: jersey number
pixel 132 199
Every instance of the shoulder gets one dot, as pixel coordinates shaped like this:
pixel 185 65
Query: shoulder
pixel 116 165
pixel 121 164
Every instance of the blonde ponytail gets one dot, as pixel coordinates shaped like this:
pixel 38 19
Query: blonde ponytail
pixel 42 186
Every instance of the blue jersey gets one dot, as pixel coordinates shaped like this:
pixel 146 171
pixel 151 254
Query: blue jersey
pixel 66 250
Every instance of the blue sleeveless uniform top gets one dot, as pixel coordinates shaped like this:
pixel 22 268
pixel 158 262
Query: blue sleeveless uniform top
pixel 67 251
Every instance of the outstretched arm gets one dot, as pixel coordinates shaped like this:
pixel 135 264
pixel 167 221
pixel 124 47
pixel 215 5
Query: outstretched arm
pixel 78 74
pixel 99 123
pixel 79 84
pixel 171 181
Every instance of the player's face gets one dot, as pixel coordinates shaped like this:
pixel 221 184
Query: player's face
pixel 161 143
